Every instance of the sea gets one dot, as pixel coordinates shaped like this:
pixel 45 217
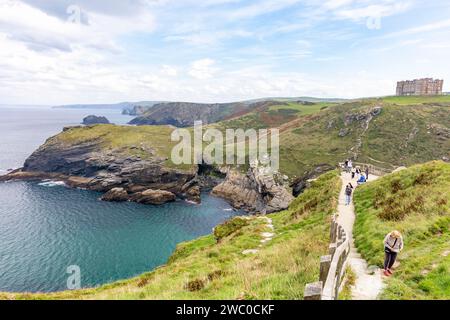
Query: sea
pixel 50 233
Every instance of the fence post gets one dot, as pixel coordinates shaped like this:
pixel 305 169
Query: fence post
pixel 313 291
pixel 325 263
pixel 332 249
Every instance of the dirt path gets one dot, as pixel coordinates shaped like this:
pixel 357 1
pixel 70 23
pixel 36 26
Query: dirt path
pixel 369 282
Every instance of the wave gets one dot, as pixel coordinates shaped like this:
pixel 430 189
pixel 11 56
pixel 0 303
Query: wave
pixel 51 183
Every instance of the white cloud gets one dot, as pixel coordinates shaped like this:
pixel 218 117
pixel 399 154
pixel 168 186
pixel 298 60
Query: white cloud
pixel 41 31
pixel 169 70
pixel 333 4
pixel 203 69
pixel 373 10
pixel 208 38
pixel 438 25
pixel 261 8
pixel 146 49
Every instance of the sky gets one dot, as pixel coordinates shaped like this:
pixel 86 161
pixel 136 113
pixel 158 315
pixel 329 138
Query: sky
pixel 91 51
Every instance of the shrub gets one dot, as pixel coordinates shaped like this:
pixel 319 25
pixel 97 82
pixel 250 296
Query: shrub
pixel 396 185
pixel 195 285
pixel 215 275
pixel 229 227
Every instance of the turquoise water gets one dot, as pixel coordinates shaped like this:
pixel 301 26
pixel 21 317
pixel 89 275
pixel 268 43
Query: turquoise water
pixel 45 228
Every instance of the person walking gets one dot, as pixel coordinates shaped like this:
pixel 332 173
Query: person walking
pixel 348 194
pixel 393 244
pixel 367 172
pixel 350 165
pixel 358 172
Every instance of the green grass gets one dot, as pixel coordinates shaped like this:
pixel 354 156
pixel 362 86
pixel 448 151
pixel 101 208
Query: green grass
pixel 303 109
pixel 413 100
pixel 273 116
pixel 143 141
pixel 209 269
pixel 349 281
pixel 415 201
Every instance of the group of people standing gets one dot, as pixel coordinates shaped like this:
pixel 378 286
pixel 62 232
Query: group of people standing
pixel 357 172
pixel 393 242
pixel 360 175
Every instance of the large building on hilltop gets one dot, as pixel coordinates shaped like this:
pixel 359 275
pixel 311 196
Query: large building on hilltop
pixel 420 87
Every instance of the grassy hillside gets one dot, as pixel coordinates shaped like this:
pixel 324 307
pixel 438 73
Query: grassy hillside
pixel 214 266
pixel 398 136
pixel 415 201
pixel 144 141
pixel 273 116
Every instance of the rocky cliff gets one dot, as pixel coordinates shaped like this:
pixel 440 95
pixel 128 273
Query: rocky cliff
pixel 256 191
pixel 184 114
pixel 92 158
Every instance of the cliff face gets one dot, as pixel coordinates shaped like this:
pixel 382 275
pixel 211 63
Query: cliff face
pixel 184 114
pixel 100 158
pixel 107 170
pixel 257 191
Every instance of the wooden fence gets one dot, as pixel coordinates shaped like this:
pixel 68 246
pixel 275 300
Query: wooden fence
pixel 332 266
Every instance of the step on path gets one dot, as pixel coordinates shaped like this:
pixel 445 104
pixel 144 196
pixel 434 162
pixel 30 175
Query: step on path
pixel 369 281
pixel 266 236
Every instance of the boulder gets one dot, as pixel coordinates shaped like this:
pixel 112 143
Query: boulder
pixel 343 132
pixel 91 120
pixel 193 194
pixel 115 195
pixel 150 196
pixel 256 191
pixel 376 111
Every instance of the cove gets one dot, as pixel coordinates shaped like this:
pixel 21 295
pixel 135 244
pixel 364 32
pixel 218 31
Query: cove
pixel 46 228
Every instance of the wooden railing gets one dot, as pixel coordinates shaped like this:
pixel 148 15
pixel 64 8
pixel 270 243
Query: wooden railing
pixel 332 266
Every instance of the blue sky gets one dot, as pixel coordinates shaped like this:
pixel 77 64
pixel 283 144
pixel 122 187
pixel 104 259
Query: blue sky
pixel 85 51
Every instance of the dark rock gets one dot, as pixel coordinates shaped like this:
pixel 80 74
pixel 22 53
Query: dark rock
pixel 193 194
pixel 91 120
pixel 115 195
pixel 256 191
pixel 376 111
pixel 300 184
pixel 153 197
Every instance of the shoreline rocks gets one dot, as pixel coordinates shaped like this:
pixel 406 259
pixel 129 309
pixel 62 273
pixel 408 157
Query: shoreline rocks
pixel 256 191
pixel 155 197
pixel 115 195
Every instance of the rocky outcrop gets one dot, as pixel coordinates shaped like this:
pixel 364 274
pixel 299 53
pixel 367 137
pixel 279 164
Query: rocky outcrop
pixel 122 175
pixel 153 197
pixel 115 195
pixel 443 133
pixel 256 191
pixel 91 120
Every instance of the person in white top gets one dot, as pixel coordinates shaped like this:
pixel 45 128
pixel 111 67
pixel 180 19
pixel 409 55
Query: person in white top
pixel 350 165
pixel 393 244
